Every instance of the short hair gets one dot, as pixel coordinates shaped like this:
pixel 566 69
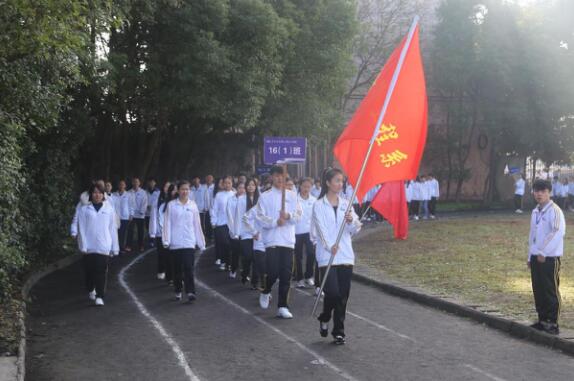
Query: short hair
pixel 95 187
pixel 276 169
pixel 540 185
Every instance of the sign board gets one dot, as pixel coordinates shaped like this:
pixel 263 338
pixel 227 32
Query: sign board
pixel 284 150
pixel 262 169
pixel 514 170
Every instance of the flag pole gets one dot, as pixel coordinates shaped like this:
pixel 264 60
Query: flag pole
pixel 366 160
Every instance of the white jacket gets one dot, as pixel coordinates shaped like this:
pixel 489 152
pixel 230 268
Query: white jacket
pixel 326 227
pixel 409 191
pixel 254 228
pixel 138 203
pixel 156 220
pixel 97 230
pixel 304 225
pixel 315 192
pixel 268 209
pixel 435 188
pixel 218 212
pixel 122 204
pixel 547 230
pixel 200 197
pixel 182 226
pixel 519 186
pixel 236 208
pixel 152 200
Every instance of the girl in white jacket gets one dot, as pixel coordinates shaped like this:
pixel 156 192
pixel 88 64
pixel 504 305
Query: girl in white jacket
pixel 164 264
pixel 99 241
pixel 236 208
pixel 182 234
pixel 328 215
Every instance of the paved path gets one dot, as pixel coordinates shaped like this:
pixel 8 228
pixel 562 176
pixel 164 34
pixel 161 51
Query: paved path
pixel 142 334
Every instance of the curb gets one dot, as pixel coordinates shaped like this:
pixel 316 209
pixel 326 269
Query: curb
pixel 505 325
pixel 30 282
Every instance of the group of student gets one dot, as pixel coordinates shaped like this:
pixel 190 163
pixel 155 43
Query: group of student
pixel 422 195
pixel 562 193
pixel 261 232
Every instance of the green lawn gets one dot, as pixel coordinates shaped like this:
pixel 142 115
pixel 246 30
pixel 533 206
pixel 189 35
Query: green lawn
pixel 479 260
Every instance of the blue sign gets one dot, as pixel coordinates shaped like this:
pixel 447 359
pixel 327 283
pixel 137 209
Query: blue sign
pixel 262 169
pixel 284 150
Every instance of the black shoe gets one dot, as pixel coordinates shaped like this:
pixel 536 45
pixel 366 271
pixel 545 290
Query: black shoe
pixel 538 326
pixel 191 297
pixel 551 329
pixel 340 340
pixel 323 329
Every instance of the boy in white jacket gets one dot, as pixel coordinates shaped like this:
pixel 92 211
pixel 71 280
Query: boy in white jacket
pixel 278 224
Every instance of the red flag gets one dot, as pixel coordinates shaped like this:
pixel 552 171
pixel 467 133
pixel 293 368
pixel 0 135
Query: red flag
pixel 391 202
pixel 400 141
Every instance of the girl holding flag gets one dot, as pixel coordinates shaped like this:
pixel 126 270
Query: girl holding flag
pixel 327 216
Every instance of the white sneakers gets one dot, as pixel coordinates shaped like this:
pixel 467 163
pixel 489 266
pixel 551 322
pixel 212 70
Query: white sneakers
pixel 301 284
pixel 161 276
pixel 264 300
pixel 284 313
pixel 178 296
pixel 317 290
pixel 222 267
pixel 99 302
pixel 518 211
pixel 232 275
pixel 92 295
pixel 218 262
pixel 310 282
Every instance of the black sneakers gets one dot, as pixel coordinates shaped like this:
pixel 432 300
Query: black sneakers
pixel 340 340
pixel 538 326
pixel 323 329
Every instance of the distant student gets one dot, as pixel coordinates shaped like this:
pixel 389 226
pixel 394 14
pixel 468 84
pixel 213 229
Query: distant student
pixel 316 190
pixel 327 216
pixel 235 209
pixel 219 223
pixel 571 193
pixel 564 193
pixel 256 230
pixel 417 197
pixel 182 234
pixel 303 241
pixel 519 188
pixel 435 194
pixel 121 201
pixel 426 196
pixel 98 240
pixel 155 229
pixel 152 194
pixel 138 202
pixel 546 245
pixel 409 195
pixel 208 197
pixel 109 188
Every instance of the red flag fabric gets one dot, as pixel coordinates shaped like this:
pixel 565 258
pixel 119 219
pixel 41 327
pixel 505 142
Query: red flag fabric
pixel 391 202
pixel 400 142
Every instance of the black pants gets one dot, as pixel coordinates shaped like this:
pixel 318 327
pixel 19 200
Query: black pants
pixel 545 286
pixel 432 206
pixel 415 204
pixel 96 269
pixel 184 265
pixel 139 222
pixel 222 242
pixel 122 233
pixel 232 259
pixel 337 289
pixel 517 201
pixel 259 266
pixel 303 241
pixel 279 265
pixel 161 256
pixel 248 265
pixel 206 224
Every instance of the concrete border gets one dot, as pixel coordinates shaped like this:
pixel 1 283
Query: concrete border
pixel 505 325
pixel 20 363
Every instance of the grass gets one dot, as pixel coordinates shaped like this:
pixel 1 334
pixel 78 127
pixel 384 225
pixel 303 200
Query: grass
pixel 479 260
